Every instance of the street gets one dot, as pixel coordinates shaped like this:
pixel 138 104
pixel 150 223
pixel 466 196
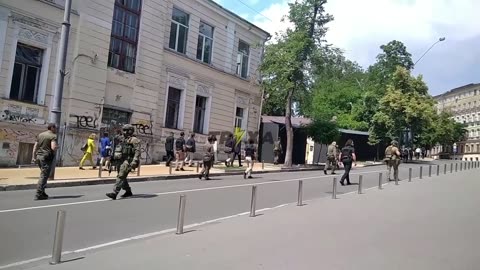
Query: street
pixel 28 226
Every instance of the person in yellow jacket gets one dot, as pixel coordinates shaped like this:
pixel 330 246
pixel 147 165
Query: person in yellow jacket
pixel 89 149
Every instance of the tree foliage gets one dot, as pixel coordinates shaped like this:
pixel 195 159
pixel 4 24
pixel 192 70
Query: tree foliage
pixel 406 104
pixel 287 63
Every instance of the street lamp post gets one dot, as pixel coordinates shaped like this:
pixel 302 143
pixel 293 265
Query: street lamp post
pixel 439 40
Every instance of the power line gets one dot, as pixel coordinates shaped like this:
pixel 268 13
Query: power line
pixel 258 12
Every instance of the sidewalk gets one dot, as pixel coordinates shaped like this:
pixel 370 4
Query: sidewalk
pixel 427 224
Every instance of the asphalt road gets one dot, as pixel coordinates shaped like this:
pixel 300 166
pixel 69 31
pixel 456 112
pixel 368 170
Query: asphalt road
pixel 27 226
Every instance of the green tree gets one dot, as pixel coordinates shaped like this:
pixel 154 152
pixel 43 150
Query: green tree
pixel 287 62
pixel 379 75
pixel 445 131
pixel 406 104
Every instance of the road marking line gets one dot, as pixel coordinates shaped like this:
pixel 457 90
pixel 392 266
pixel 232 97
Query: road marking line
pixel 149 235
pixel 25 262
pixel 270 182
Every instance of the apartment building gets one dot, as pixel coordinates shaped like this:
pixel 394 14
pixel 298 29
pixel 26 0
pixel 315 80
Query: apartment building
pixel 464 103
pixel 162 65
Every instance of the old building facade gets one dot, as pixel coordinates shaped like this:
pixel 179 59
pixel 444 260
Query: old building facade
pixel 162 65
pixel 464 104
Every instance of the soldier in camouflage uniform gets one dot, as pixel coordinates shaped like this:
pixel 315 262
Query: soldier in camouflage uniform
pixel 126 157
pixel 392 159
pixel 44 154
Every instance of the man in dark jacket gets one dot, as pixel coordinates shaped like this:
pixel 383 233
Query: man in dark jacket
pixel 237 151
pixel 180 152
pixel 229 149
pixel 190 149
pixel 169 148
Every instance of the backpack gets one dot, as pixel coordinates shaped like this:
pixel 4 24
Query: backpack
pixel 189 144
pixel 346 154
pixel 389 152
pixel 84 147
pixel 179 144
pixel 118 153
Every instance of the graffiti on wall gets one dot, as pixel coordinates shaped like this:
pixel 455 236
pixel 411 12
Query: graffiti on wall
pixel 7 115
pixel 85 121
pixel 144 127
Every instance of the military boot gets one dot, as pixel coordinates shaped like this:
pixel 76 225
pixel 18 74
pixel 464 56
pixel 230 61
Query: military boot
pixel 112 195
pixel 128 193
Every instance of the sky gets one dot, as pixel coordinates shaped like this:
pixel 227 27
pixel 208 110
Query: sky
pixel 360 27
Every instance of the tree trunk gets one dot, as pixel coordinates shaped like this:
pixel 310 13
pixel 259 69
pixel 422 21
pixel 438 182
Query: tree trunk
pixel 289 129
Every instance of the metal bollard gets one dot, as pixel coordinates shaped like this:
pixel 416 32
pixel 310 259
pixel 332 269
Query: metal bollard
pixel 181 214
pixel 469 165
pixel 421 172
pixel 198 166
pixel 334 190
pixel 380 176
pixel 263 164
pixel 58 240
pixel 138 169
pixel 360 184
pixel 100 169
pixel 451 167
pixel 461 166
pixel 438 170
pixel 445 169
pixel 456 167
pixel 300 193
pixel 253 201
pixel 409 174
pixel 170 169
pixel 430 171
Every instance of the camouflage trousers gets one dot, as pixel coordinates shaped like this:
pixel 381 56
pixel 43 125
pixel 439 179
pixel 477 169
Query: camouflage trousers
pixel 331 164
pixel 45 169
pixel 123 169
pixel 393 164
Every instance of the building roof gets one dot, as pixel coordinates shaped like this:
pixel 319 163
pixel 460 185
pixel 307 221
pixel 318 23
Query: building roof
pixel 298 122
pixel 353 132
pixel 458 89
pixel 237 16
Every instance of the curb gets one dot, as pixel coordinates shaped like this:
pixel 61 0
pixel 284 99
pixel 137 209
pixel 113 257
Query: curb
pixel 136 179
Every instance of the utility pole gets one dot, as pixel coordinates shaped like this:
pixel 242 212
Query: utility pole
pixel 56 110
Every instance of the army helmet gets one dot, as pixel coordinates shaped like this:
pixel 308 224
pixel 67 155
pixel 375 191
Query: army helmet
pixel 394 143
pixel 128 129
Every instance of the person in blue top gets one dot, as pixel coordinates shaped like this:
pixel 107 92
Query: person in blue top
pixel 105 150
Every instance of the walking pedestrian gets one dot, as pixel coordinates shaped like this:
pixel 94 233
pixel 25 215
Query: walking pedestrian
pixel 332 160
pixel 207 159
pixel 392 158
pixel 105 150
pixel 229 145
pixel 190 149
pixel 88 149
pixel 277 151
pixel 249 158
pixel 180 152
pixel 237 151
pixel 169 148
pixel 347 157
pixel 127 157
pixel 44 151
pixel 215 150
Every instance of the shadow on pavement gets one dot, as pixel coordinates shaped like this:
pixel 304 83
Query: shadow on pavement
pixel 143 196
pixel 65 197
